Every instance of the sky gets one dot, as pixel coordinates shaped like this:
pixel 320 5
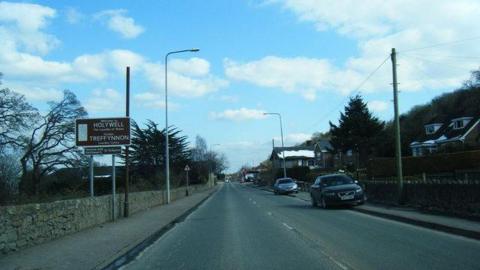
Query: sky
pixel 300 58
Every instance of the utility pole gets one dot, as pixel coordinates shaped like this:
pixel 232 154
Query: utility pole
pixel 283 146
pixel 127 171
pixel 398 146
pixel 273 160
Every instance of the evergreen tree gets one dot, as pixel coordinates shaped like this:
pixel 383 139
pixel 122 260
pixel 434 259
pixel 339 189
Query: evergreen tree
pixel 357 130
pixel 148 149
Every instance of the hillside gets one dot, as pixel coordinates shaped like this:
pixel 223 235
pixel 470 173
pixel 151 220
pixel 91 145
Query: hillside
pixel 462 102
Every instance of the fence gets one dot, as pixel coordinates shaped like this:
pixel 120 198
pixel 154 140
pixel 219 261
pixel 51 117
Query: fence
pixel 434 193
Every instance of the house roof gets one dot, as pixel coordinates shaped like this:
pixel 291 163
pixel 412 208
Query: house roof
pixel 446 133
pixel 293 152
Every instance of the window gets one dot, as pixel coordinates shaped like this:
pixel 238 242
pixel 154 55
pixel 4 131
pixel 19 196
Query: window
pixel 458 124
pixel 337 180
pixel 430 129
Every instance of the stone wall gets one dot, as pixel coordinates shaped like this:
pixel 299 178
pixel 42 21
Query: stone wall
pixel 31 224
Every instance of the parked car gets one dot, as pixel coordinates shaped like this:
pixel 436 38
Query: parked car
pixel 285 186
pixel 336 189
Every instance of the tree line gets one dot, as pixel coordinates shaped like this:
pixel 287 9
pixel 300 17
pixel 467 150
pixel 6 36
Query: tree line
pixel 36 144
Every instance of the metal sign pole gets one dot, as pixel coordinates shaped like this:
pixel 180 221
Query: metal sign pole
pixel 187 169
pixel 187 183
pixel 127 169
pixel 90 177
pixel 113 188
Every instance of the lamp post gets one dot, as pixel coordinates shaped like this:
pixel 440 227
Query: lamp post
pixel 281 134
pixel 167 152
pixel 211 164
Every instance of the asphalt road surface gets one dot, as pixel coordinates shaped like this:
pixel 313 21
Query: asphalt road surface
pixel 241 227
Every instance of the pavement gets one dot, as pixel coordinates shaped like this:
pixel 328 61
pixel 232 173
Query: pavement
pixel 412 216
pixel 247 228
pixel 105 245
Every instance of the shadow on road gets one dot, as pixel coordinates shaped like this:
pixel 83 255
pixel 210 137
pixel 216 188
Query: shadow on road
pixel 309 207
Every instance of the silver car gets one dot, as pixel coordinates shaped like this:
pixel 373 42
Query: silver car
pixel 285 186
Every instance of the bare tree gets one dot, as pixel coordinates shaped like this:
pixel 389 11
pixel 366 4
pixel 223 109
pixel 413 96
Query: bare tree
pixel 51 143
pixel 199 152
pixel 16 116
pixel 9 175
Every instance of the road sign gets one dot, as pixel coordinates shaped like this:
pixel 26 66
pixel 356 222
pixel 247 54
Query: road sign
pixel 102 131
pixel 115 150
pixel 187 168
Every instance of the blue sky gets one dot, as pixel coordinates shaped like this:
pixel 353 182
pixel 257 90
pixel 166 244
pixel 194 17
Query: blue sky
pixel 301 58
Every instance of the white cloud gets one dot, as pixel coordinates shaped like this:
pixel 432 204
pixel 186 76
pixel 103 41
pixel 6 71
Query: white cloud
pixel 118 22
pixel 378 105
pixel 305 76
pixel 181 84
pixel 35 93
pixel 24 42
pixel 73 16
pixel 239 114
pixel 104 100
pixel 376 26
pixel 154 101
pixel 192 67
pixel 21 25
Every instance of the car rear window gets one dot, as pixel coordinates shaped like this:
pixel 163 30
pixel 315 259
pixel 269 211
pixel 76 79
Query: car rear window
pixel 285 181
pixel 337 180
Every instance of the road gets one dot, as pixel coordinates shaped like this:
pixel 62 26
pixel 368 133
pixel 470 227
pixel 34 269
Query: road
pixel 241 227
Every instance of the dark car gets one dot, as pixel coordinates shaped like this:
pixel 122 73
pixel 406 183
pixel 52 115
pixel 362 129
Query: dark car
pixel 336 189
pixel 285 186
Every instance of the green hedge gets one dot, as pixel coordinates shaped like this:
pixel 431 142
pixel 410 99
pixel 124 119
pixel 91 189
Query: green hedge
pixel 437 163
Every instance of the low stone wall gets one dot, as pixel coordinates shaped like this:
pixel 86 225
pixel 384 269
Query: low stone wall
pixel 31 224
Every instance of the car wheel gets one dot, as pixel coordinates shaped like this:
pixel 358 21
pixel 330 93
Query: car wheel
pixel 323 204
pixel 314 202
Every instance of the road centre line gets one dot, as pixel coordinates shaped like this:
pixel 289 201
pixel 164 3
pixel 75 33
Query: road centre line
pixel 286 225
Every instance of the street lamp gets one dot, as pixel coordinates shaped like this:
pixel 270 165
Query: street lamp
pixel 211 164
pixel 283 150
pixel 167 152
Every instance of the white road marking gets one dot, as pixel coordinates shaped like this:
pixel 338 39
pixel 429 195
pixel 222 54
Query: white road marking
pixel 334 261
pixel 286 225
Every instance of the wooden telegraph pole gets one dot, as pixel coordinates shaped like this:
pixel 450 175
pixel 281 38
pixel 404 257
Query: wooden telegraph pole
pixel 398 146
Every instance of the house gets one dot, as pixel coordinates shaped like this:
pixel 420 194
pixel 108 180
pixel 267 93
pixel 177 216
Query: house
pixel 323 154
pixel 312 156
pixel 459 131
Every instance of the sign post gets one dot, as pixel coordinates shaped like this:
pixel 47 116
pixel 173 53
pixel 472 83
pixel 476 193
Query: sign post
pixel 187 169
pixel 90 176
pixel 103 136
pixel 113 188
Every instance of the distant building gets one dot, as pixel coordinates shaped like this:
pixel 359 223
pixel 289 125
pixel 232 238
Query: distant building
pixel 460 131
pixel 312 156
